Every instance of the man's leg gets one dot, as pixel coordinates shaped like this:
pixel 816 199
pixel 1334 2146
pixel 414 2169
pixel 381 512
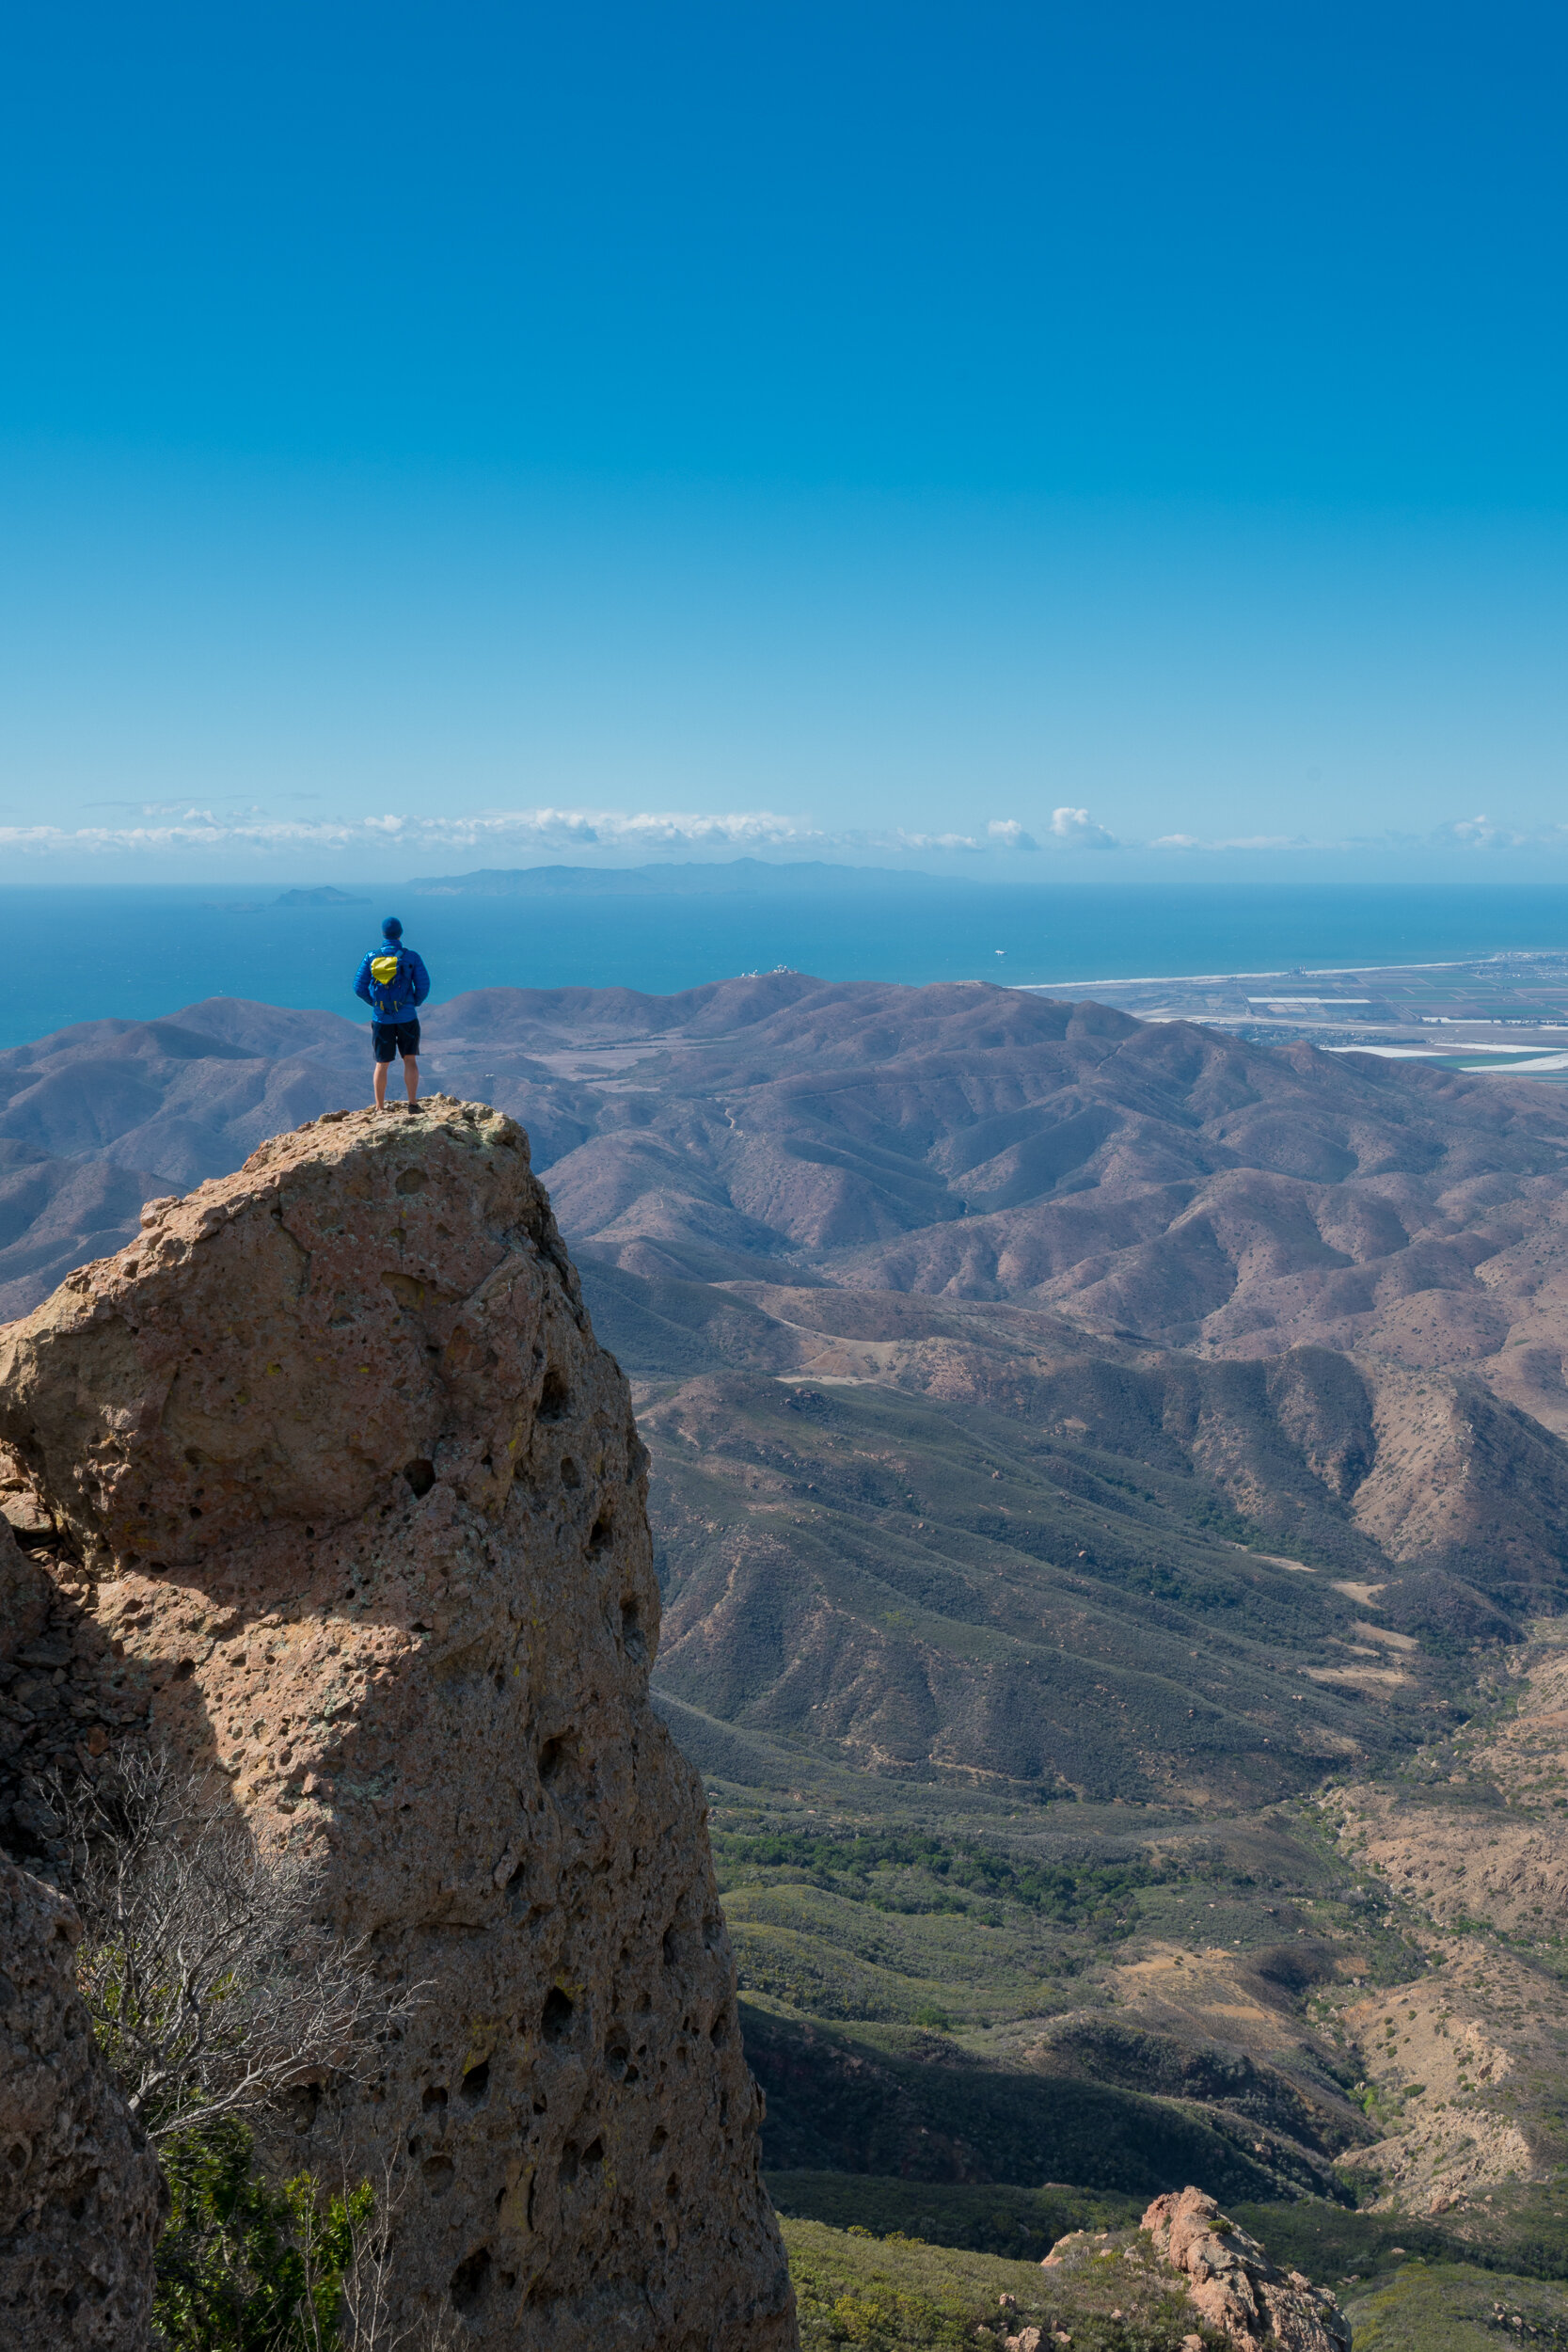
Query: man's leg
pixel 411 1077
pixel 380 1085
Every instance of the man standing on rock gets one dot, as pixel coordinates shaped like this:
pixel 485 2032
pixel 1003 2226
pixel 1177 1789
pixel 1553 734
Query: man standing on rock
pixel 394 983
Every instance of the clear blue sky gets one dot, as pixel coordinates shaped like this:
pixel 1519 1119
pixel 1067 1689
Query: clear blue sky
pixel 833 429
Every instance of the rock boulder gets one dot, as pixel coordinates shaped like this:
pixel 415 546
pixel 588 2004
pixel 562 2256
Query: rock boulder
pixel 1236 2287
pixel 360 1504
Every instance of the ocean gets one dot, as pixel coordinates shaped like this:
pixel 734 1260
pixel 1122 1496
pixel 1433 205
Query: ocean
pixel 140 953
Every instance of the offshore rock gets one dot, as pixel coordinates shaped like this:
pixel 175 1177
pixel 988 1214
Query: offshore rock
pixel 1236 2287
pixel 361 1507
pixel 79 2188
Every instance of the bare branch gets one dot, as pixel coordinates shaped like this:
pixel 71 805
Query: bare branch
pixel 212 1983
pixel 366 2316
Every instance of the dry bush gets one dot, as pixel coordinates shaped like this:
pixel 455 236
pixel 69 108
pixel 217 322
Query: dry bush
pixel 213 1983
pixel 366 2313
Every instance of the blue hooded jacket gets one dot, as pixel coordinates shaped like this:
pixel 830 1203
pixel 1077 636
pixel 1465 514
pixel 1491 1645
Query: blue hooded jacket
pixel 412 979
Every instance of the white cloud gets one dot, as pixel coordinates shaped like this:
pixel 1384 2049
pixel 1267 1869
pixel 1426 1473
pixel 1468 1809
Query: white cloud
pixel 1077 828
pixel 1479 832
pixel 172 826
pixel 1466 833
pixel 164 827
pixel 1248 841
pixel 196 829
pixel 898 839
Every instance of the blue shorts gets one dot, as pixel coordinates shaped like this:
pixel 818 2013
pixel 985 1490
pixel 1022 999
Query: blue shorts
pixel 395 1037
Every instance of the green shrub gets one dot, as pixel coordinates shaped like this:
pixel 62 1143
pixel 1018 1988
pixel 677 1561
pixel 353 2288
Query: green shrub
pixel 898 2294
pixel 1018 2224
pixel 1100 1896
pixel 245 2265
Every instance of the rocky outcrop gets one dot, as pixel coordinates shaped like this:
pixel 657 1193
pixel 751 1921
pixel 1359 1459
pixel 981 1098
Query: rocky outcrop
pixel 360 1507
pixel 79 2188
pixel 1236 2287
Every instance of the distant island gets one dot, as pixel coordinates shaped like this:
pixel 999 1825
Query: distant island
pixel 324 897
pixel 738 874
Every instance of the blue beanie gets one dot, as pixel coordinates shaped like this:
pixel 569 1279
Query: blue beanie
pixel 391 929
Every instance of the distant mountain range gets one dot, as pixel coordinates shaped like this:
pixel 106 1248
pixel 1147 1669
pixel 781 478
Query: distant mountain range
pixel 746 1170
pixel 690 879
pixel 1157 1183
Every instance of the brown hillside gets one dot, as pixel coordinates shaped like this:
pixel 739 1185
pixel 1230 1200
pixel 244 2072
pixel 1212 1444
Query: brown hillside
pixel 1161 1179
pixel 963 1142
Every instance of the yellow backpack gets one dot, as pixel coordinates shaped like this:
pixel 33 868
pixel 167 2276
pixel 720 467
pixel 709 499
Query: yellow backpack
pixel 389 990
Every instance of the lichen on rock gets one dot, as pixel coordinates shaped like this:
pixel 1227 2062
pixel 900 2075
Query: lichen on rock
pixel 362 1509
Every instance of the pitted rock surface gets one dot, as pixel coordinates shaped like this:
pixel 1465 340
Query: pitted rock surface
pixel 64 1696
pixel 79 2188
pixel 1236 2287
pixel 361 1507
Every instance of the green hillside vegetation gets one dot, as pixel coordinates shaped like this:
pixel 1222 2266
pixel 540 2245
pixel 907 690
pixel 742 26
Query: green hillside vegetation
pixel 1326 2241
pixel 973 2033
pixel 1020 2224
pixel 901 2266
pixel 900 2296
pixel 1080 1876
pixel 1523 2230
pixel 921 1930
pixel 889 1874
pixel 1448 2307
pixel 891 2100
